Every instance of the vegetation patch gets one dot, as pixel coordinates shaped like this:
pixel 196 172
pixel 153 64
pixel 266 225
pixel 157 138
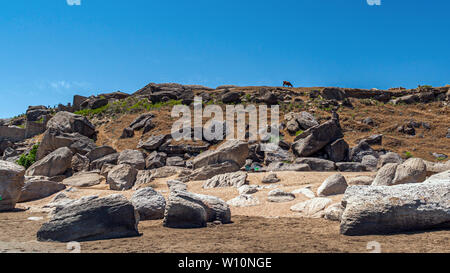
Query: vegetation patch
pixel 26 160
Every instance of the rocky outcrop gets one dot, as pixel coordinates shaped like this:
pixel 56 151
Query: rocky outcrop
pixel 440 177
pixel 149 203
pixel 94 219
pixel 383 209
pixel 389 157
pixel 286 167
pixel 11 183
pixel 338 151
pixel 100 152
pixel 108 159
pixel 244 200
pixel 56 163
pixel 412 170
pixel 313 208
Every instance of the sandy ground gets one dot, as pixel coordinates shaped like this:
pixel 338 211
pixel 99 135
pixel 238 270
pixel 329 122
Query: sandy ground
pixel 269 227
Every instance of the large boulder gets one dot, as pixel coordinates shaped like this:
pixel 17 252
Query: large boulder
pixel 155 160
pixel 94 219
pixel 84 179
pixel 108 159
pixel 350 167
pixel 338 151
pixel 226 180
pixel 317 138
pixel 385 175
pixel 286 167
pixel 370 162
pixel 317 164
pixel 149 203
pixel 11 183
pixel 280 196
pixel 56 163
pixel 132 157
pixel 100 152
pixel 244 200
pixel 297 121
pixel 313 208
pixel 38 189
pixel 232 150
pixel 359 151
pixel 212 170
pixel 190 210
pixel 440 177
pixel 412 170
pixel 384 209
pixel 153 142
pixel 80 163
pixel 122 177
pixel 71 123
pixel 389 157
pixel 54 139
pixel 335 184
pixel 332 93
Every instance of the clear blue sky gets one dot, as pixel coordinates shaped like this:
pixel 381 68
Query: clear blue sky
pixel 50 51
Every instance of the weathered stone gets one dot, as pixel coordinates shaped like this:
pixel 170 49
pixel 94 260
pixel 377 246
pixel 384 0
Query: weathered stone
pixel 11 183
pixel 283 167
pixel 233 150
pixel 317 138
pixel 370 162
pixel 143 177
pixel 440 177
pixel 244 200
pixel 335 184
pixel 271 178
pixel 226 180
pixel 313 208
pixel 317 164
pixel 54 164
pixel 80 163
pixel 360 180
pixel 132 157
pixel 127 133
pixel 153 142
pixel 149 203
pixel 84 179
pixel 305 191
pixel 389 158
pixel 109 159
pixel 176 185
pixel 175 161
pixel 71 123
pixel 338 151
pixel 100 152
pixel 334 212
pixel 38 189
pixel 122 177
pixel 248 189
pixel 280 196
pixel 350 167
pixel 155 160
pixel 412 170
pixel 359 151
pixel 383 209
pixel 210 171
pixel 385 175
pixel 101 218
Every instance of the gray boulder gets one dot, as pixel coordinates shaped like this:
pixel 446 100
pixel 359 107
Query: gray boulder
pixel 389 157
pixel 212 170
pixel 244 200
pixel 236 179
pixel 385 175
pixel 359 151
pixel 108 159
pixel 56 163
pixel 271 178
pixel 338 151
pixel 335 184
pixel 412 170
pixel 232 150
pixel 97 219
pixel 80 163
pixel 440 177
pixel 38 189
pixel 190 210
pixel 280 196
pixel 313 208
pixel 175 161
pixel 317 138
pixel 176 185
pixel 155 160
pixel 149 203
pixel 370 162
pixel 11 183
pixel 360 180
pixel 383 209
pixel 153 142
pixel 334 212
pixel 132 157
pixel 350 167
pixel 317 164
pixel 285 167
pixel 71 123
pixel 84 179
pixel 122 177
pixel 100 152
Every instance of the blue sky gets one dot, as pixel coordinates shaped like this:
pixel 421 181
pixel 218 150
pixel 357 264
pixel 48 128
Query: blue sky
pixel 50 51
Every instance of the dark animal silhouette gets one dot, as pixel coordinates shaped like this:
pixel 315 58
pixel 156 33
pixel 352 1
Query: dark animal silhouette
pixel 287 84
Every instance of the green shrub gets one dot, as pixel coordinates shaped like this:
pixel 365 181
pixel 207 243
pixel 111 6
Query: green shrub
pixel 26 160
pixel 408 154
pixel 299 132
